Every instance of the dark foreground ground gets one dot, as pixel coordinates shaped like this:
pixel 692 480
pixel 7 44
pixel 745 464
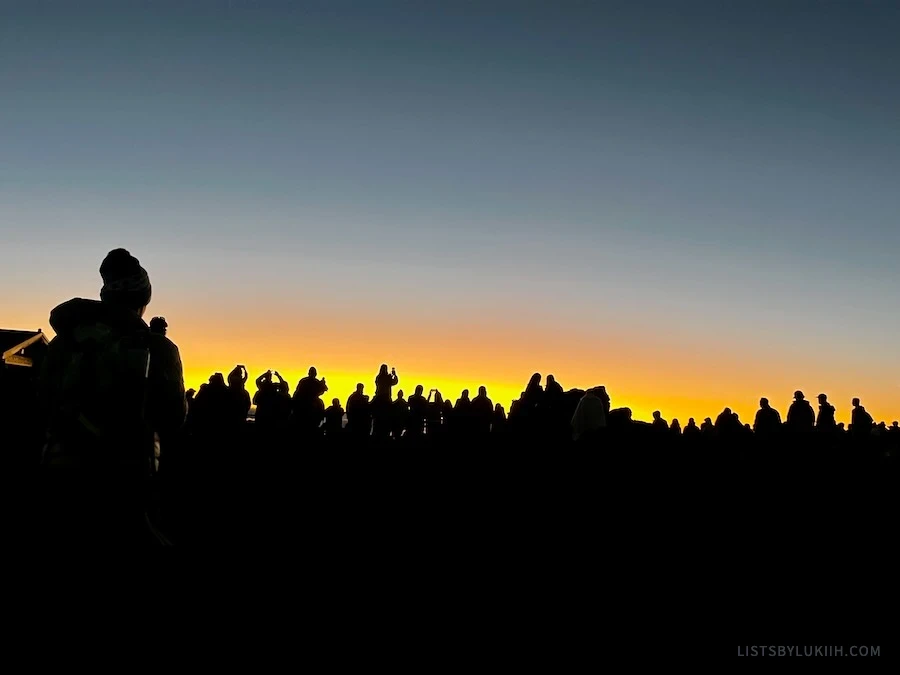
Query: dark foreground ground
pixel 672 543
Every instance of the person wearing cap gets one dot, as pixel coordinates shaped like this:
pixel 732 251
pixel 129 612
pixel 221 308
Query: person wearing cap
pixel 109 389
pixel 800 417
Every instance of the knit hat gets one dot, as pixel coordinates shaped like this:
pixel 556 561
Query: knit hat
pixel 125 282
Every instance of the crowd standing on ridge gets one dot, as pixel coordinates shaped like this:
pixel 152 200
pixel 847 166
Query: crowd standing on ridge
pixel 109 410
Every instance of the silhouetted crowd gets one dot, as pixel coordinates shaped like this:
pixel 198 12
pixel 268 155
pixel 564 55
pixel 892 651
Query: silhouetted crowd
pixel 106 414
pixel 546 411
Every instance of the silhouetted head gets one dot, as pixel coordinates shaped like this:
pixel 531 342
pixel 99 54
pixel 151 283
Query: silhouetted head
pixel 359 387
pixel 383 370
pixel 336 402
pixel 895 425
pixel 707 420
pixel 482 390
pixel 855 402
pixel 763 403
pixel 400 395
pixel 499 409
pixel 798 395
pixel 551 379
pixel 217 379
pixel 312 371
pixel 656 414
pixel 727 411
pixel 235 379
pixel 535 380
pixel 438 399
pixel 675 422
pixel 465 394
pixel 691 422
pixel 158 325
pixel 125 282
pixel 823 398
pixel 419 389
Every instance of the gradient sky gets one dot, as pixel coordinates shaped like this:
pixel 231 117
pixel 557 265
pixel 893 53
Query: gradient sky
pixel 693 203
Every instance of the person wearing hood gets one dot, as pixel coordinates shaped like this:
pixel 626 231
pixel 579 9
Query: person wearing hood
pixel 590 415
pixel 825 420
pixel 109 389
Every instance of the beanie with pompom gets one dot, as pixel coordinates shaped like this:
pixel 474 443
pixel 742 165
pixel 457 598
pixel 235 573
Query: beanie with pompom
pixel 125 282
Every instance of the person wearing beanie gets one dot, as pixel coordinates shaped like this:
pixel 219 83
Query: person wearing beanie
pixel 111 391
pixel 125 282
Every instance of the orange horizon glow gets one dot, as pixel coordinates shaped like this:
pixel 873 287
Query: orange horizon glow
pixel 643 372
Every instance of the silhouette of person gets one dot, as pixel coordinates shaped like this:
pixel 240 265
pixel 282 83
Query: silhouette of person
pixel 102 427
pixel 861 421
pixel 158 325
pixel 265 400
pixel 725 422
pixel 768 420
pixel 400 415
pixel 825 421
pixel 237 381
pixel 462 415
pixel 895 426
pixel 334 419
pixel 381 405
pixel 498 420
pixel 707 428
pixel 800 417
pixel 216 408
pixel 385 381
pixel 659 423
pixel 534 392
pixel 553 391
pixel 676 427
pixel 482 412
pixel 590 416
pixel 359 416
pixel 691 427
pixel 307 404
pixel 418 413
pixel 311 387
pixel 448 418
pixel 435 409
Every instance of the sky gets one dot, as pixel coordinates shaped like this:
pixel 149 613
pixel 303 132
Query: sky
pixel 693 203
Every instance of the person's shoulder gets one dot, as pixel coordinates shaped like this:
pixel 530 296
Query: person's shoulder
pixel 161 343
pixel 162 350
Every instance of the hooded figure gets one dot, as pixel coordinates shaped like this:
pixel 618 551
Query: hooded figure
pixel 590 415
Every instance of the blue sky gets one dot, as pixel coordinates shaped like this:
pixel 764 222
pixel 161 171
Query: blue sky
pixel 718 171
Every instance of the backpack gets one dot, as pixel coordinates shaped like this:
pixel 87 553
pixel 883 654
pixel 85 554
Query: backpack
pixel 100 395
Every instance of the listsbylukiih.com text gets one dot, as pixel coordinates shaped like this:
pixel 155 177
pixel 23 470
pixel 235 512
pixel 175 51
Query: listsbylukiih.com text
pixel 808 650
